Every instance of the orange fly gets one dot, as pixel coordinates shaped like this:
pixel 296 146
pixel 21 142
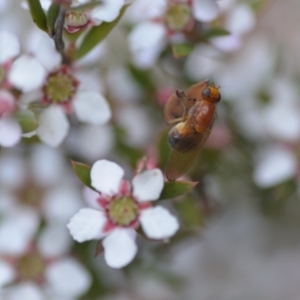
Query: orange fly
pixel 195 112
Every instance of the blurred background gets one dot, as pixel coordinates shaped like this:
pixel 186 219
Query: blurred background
pixel 239 235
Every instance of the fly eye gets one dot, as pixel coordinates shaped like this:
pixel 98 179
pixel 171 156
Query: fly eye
pixel 206 92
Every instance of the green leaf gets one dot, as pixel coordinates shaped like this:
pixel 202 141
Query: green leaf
pixel 215 32
pixel 27 120
pixel 52 15
pixel 190 212
pixel 38 15
pixel 83 173
pixel 174 189
pixel 181 50
pixel 97 34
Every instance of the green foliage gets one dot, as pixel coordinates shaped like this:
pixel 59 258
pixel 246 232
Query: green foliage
pixel 176 188
pixel 52 15
pixel 97 34
pixel 27 120
pixel 190 212
pixel 38 15
pixel 215 32
pixel 83 173
pixel 181 50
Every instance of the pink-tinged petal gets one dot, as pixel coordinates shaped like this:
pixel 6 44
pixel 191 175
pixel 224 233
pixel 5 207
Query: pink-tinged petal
pixel 158 223
pixel 25 291
pixel 205 10
pixel 7 273
pixel 91 107
pixel 68 278
pixel 273 166
pixel 9 46
pixel 58 233
pixel 53 126
pixel 91 197
pixel 26 73
pixel 148 185
pixel 120 247
pixel 10 132
pixel 107 11
pixel 7 102
pixel 87 225
pixel 106 176
pixel 146 35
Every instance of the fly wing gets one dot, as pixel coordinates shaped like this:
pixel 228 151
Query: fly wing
pixel 185 152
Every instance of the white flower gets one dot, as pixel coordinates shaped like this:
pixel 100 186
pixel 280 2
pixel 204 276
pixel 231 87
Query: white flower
pixel 106 11
pixel 240 19
pixel 274 165
pixel 47 262
pixel 205 10
pixel 60 90
pixel 9 46
pixel 10 130
pixel 159 22
pixel 118 211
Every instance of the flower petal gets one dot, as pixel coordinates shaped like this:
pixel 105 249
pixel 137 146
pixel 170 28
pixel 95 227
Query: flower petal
pixel 68 278
pixel 274 165
pixel 148 185
pixel 53 126
pixel 107 11
pixel 106 176
pixel 17 231
pixel 141 10
pixel 58 233
pixel 25 291
pixel 87 224
pixel 91 107
pixel 26 73
pixel 7 273
pixel 50 171
pixel 46 53
pixel 158 223
pixel 10 132
pixel 9 46
pixel 61 203
pixel 205 10
pixel 240 20
pixel 91 197
pixel 7 102
pixel 146 35
pixel 120 248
